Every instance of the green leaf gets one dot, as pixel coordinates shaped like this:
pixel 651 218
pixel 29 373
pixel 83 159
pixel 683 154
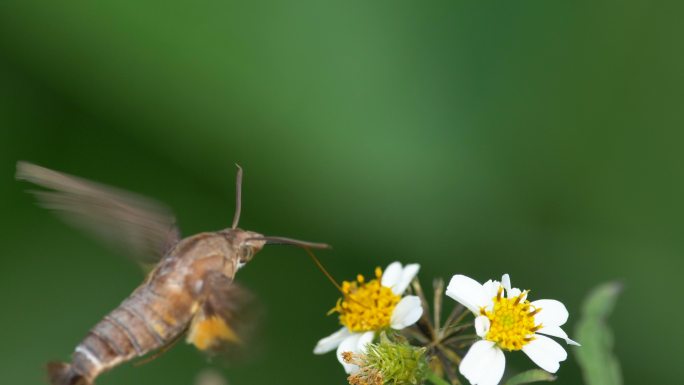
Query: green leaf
pixel 534 375
pixel 595 357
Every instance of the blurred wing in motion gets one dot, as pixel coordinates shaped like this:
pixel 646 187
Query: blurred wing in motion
pixel 210 377
pixel 226 320
pixel 131 222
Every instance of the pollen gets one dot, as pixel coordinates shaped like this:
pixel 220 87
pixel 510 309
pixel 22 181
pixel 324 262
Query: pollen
pixel 511 321
pixel 366 305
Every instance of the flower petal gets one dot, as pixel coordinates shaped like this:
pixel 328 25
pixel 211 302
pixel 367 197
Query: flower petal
pixel 484 363
pixel 495 370
pixel 552 313
pixel 506 282
pixel 556 331
pixel 468 292
pixel 407 312
pixel 355 343
pixel 514 292
pixel 491 289
pixel 392 274
pixel 332 341
pixel 546 353
pixel 482 325
pixel 349 344
pixel 364 340
pixel 407 275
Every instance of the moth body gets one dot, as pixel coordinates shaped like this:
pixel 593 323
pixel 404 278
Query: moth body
pixel 190 291
pixel 160 310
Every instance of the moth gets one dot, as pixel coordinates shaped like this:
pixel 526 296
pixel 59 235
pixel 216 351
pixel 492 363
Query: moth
pixel 189 291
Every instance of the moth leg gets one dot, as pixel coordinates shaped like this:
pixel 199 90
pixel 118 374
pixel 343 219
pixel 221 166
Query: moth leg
pixel 161 350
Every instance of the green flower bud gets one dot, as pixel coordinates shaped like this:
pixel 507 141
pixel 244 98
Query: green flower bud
pixel 388 363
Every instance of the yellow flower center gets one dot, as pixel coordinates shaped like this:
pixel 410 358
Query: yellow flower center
pixel 366 306
pixel 511 321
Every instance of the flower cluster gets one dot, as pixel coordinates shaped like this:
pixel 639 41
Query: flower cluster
pixel 369 307
pixel 505 320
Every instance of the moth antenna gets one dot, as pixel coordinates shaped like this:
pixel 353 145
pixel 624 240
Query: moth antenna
pixel 238 196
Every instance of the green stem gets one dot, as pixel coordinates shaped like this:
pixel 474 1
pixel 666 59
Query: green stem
pixel 435 379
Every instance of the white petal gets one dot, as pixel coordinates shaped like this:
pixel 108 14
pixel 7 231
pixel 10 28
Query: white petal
pixel 392 274
pixel 514 292
pixel 468 292
pixel 546 353
pixel 349 344
pixel 557 332
pixel 552 313
pixel 332 341
pixel 355 343
pixel 496 368
pixel 491 288
pixel 482 325
pixel 407 312
pixel 484 364
pixel 506 282
pixel 364 340
pixel 407 275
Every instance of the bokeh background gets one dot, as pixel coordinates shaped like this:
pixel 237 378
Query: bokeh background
pixel 543 139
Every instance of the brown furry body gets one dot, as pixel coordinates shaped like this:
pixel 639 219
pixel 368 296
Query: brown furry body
pixel 160 310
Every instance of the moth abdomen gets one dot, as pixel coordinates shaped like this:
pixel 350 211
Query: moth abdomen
pixel 136 327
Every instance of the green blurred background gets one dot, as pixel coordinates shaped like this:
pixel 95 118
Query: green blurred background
pixel 543 139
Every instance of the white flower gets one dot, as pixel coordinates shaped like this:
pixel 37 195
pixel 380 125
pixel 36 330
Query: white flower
pixel 508 322
pixel 368 307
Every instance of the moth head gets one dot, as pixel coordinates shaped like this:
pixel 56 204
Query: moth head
pixel 248 243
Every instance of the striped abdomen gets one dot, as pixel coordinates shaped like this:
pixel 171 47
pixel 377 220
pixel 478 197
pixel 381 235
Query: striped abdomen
pixel 144 322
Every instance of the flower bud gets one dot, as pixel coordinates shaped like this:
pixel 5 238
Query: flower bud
pixel 388 363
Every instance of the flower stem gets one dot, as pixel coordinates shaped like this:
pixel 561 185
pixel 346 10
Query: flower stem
pixel 435 379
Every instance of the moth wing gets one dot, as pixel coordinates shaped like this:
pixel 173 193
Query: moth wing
pixel 134 223
pixel 226 321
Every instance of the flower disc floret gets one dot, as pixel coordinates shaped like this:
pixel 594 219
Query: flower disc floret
pixel 366 306
pixel 511 320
